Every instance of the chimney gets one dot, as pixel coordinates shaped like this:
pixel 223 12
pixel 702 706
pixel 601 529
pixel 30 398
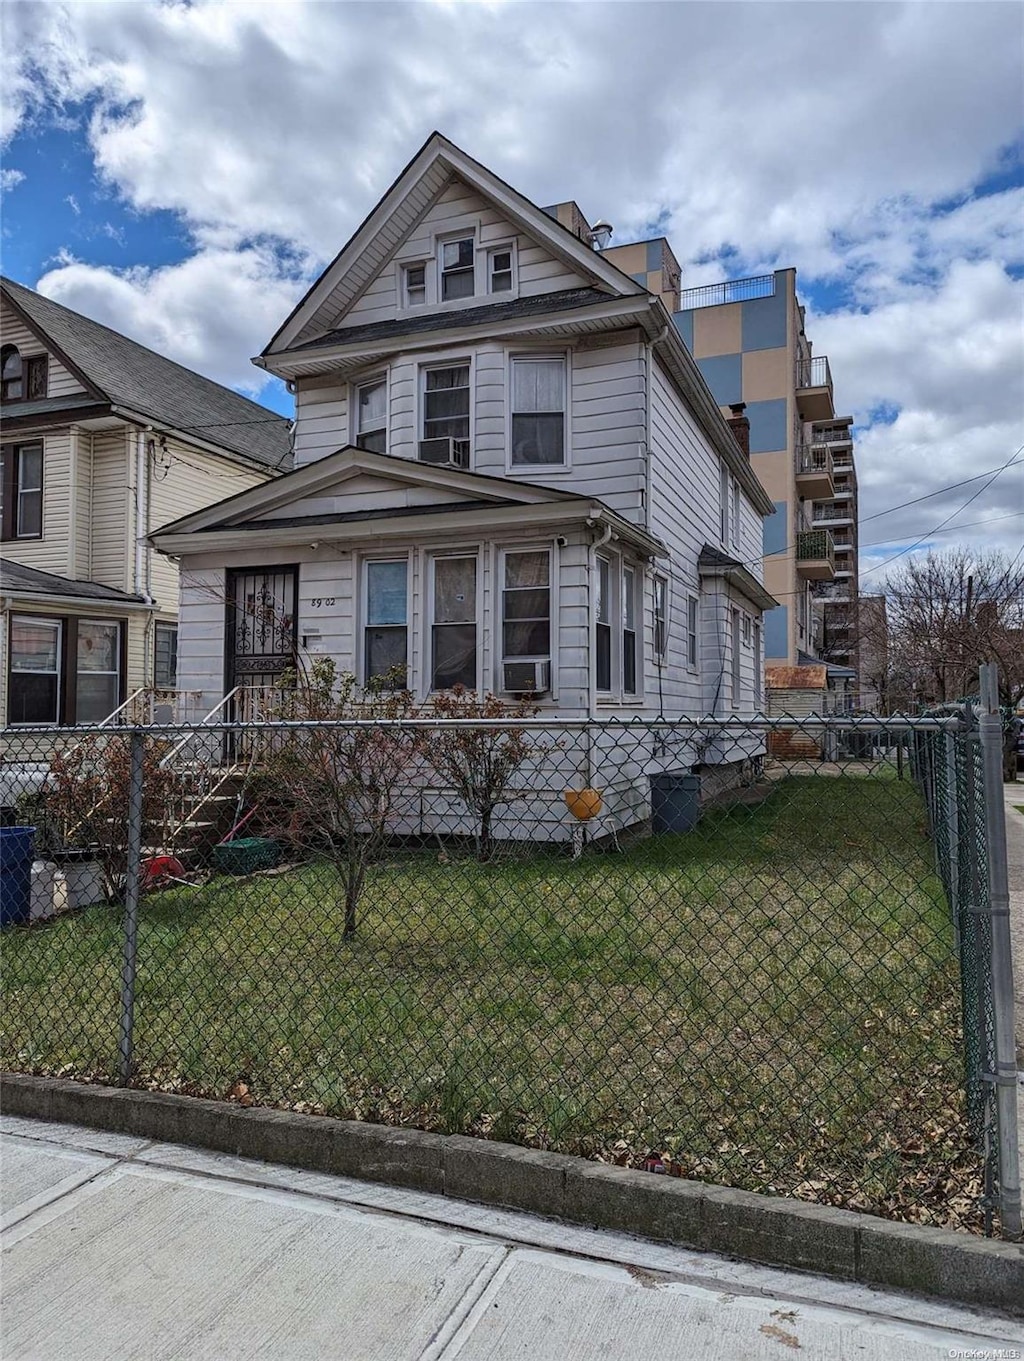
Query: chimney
pixel 740 426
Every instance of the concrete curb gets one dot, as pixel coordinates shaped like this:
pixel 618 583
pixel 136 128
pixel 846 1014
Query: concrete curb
pixel 766 1229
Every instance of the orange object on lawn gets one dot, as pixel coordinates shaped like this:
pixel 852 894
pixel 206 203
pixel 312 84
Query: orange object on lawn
pixel 583 804
pixel 159 868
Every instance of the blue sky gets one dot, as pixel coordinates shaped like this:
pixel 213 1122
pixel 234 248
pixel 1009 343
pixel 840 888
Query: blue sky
pixel 182 171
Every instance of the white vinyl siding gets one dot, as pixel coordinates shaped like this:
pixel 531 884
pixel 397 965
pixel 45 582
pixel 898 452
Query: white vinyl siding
pixel 51 551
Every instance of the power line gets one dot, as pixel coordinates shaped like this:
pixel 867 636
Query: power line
pixel 953 486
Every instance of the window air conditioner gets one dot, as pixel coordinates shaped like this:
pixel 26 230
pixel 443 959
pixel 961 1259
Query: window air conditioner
pixel 526 678
pixel 445 453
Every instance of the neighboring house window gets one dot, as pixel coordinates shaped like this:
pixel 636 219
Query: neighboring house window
pixel 98 676
pixel 34 681
pixel 372 416
pixel 43 689
pixel 22 379
pixel 538 412
pixel 603 621
pixel 414 282
pixel 21 475
pixel 660 617
pixel 629 617
pixel 691 631
pixel 499 270
pixel 165 656
pixel 446 403
pixel 735 659
pixel 12 387
pixel 387 620
pixel 458 269
pixel 757 665
pixel 526 606
pixel 746 630
pixel 453 634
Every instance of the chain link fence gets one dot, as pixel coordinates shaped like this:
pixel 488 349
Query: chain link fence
pixel 751 952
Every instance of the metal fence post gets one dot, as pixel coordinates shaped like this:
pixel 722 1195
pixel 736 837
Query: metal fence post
pixel 1005 1075
pixel 952 812
pixel 131 905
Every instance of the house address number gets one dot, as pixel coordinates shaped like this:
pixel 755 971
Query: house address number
pixel 320 601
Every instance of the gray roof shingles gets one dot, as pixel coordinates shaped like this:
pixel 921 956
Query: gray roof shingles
pixel 132 376
pixel 16 579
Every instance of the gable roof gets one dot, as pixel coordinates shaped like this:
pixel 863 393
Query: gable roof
pixel 491 499
pixel 382 231
pixel 127 374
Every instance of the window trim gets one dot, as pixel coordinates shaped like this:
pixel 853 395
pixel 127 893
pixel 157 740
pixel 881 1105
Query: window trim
pixel 12 494
pixel 545 470
pixel 475 552
pixel 356 387
pixel 365 561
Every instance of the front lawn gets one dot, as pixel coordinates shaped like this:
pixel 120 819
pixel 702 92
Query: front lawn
pixel 771 1001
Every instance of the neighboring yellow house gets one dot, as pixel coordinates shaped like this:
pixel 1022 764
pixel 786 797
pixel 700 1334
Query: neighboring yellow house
pixel 103 441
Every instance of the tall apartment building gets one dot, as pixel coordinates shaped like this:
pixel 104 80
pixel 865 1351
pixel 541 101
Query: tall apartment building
pixel 748 338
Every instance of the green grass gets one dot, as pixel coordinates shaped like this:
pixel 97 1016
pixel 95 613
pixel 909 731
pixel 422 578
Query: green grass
pixel 770 1002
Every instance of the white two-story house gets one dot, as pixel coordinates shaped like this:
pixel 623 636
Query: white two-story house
pixel 102 440
pixel 509 474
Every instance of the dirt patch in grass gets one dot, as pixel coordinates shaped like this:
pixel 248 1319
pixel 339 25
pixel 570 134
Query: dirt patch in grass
pixel 771 1001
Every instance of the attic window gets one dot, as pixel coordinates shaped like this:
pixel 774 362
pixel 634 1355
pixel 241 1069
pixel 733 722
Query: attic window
pixel 11 368
pixel 458 267
pixel 499 270
pixel 415 285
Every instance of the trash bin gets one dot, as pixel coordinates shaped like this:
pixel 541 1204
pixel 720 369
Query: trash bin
pixel 675 801
pixel 17 851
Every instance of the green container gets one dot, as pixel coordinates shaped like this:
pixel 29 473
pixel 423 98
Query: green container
pixel 246 855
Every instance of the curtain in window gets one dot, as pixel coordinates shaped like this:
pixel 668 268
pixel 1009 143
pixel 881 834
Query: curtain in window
pixel 538 411
pixel 98 667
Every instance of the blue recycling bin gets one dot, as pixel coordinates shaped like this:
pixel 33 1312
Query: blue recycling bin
pixel 17 851
pixel 675 801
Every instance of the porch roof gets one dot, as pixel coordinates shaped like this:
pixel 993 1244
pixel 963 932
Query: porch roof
pixel 714 563
pixel 18 580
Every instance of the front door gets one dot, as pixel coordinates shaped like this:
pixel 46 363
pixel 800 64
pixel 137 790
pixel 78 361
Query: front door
pixel 262 624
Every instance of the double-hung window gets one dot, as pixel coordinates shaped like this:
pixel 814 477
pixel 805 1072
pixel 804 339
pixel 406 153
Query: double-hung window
pixel 453 641
pixel 723 498
pixel 34 679
pixel 757 665
pixel 165 656
pixel 526 606
pixel 499 270
pixel 735 526
pixel 691 631
pixel 372 416
pixel 446 403
pixel 414 285
pixel 21 475
pixel 98 680
pixel 538 411
pixel 603 626
pixel 735 659
pixel 458 269
pixel 629 634
pixel 660 618
pixel 386 651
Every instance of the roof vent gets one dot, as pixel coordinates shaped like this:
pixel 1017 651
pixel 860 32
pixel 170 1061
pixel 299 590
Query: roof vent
pixel 600 234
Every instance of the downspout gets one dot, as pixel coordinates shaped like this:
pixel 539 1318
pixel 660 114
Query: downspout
pixel 141 582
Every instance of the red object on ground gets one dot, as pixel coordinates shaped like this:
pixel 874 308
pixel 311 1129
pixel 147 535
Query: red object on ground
pixel 158 868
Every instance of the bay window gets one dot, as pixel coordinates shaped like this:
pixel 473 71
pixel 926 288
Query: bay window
pixel 538 411
pixel 526 606
pixel 386 649
pixel 453 641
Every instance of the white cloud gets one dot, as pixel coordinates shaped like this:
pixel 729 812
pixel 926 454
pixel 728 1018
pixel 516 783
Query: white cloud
pixel 846 139
pixel 10 179
pixel 211 313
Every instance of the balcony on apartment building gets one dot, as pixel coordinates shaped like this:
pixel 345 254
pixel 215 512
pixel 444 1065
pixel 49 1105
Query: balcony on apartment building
pixel 832 514
pixel 814 472
pixel 831 593
pixel 815 555
pixel 732 290
pixel 814 389
pixel 835 436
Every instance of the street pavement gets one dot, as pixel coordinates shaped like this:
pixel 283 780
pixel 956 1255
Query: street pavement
pixel 116 1247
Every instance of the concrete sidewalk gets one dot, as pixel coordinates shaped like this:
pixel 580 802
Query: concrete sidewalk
pixel 117 1247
